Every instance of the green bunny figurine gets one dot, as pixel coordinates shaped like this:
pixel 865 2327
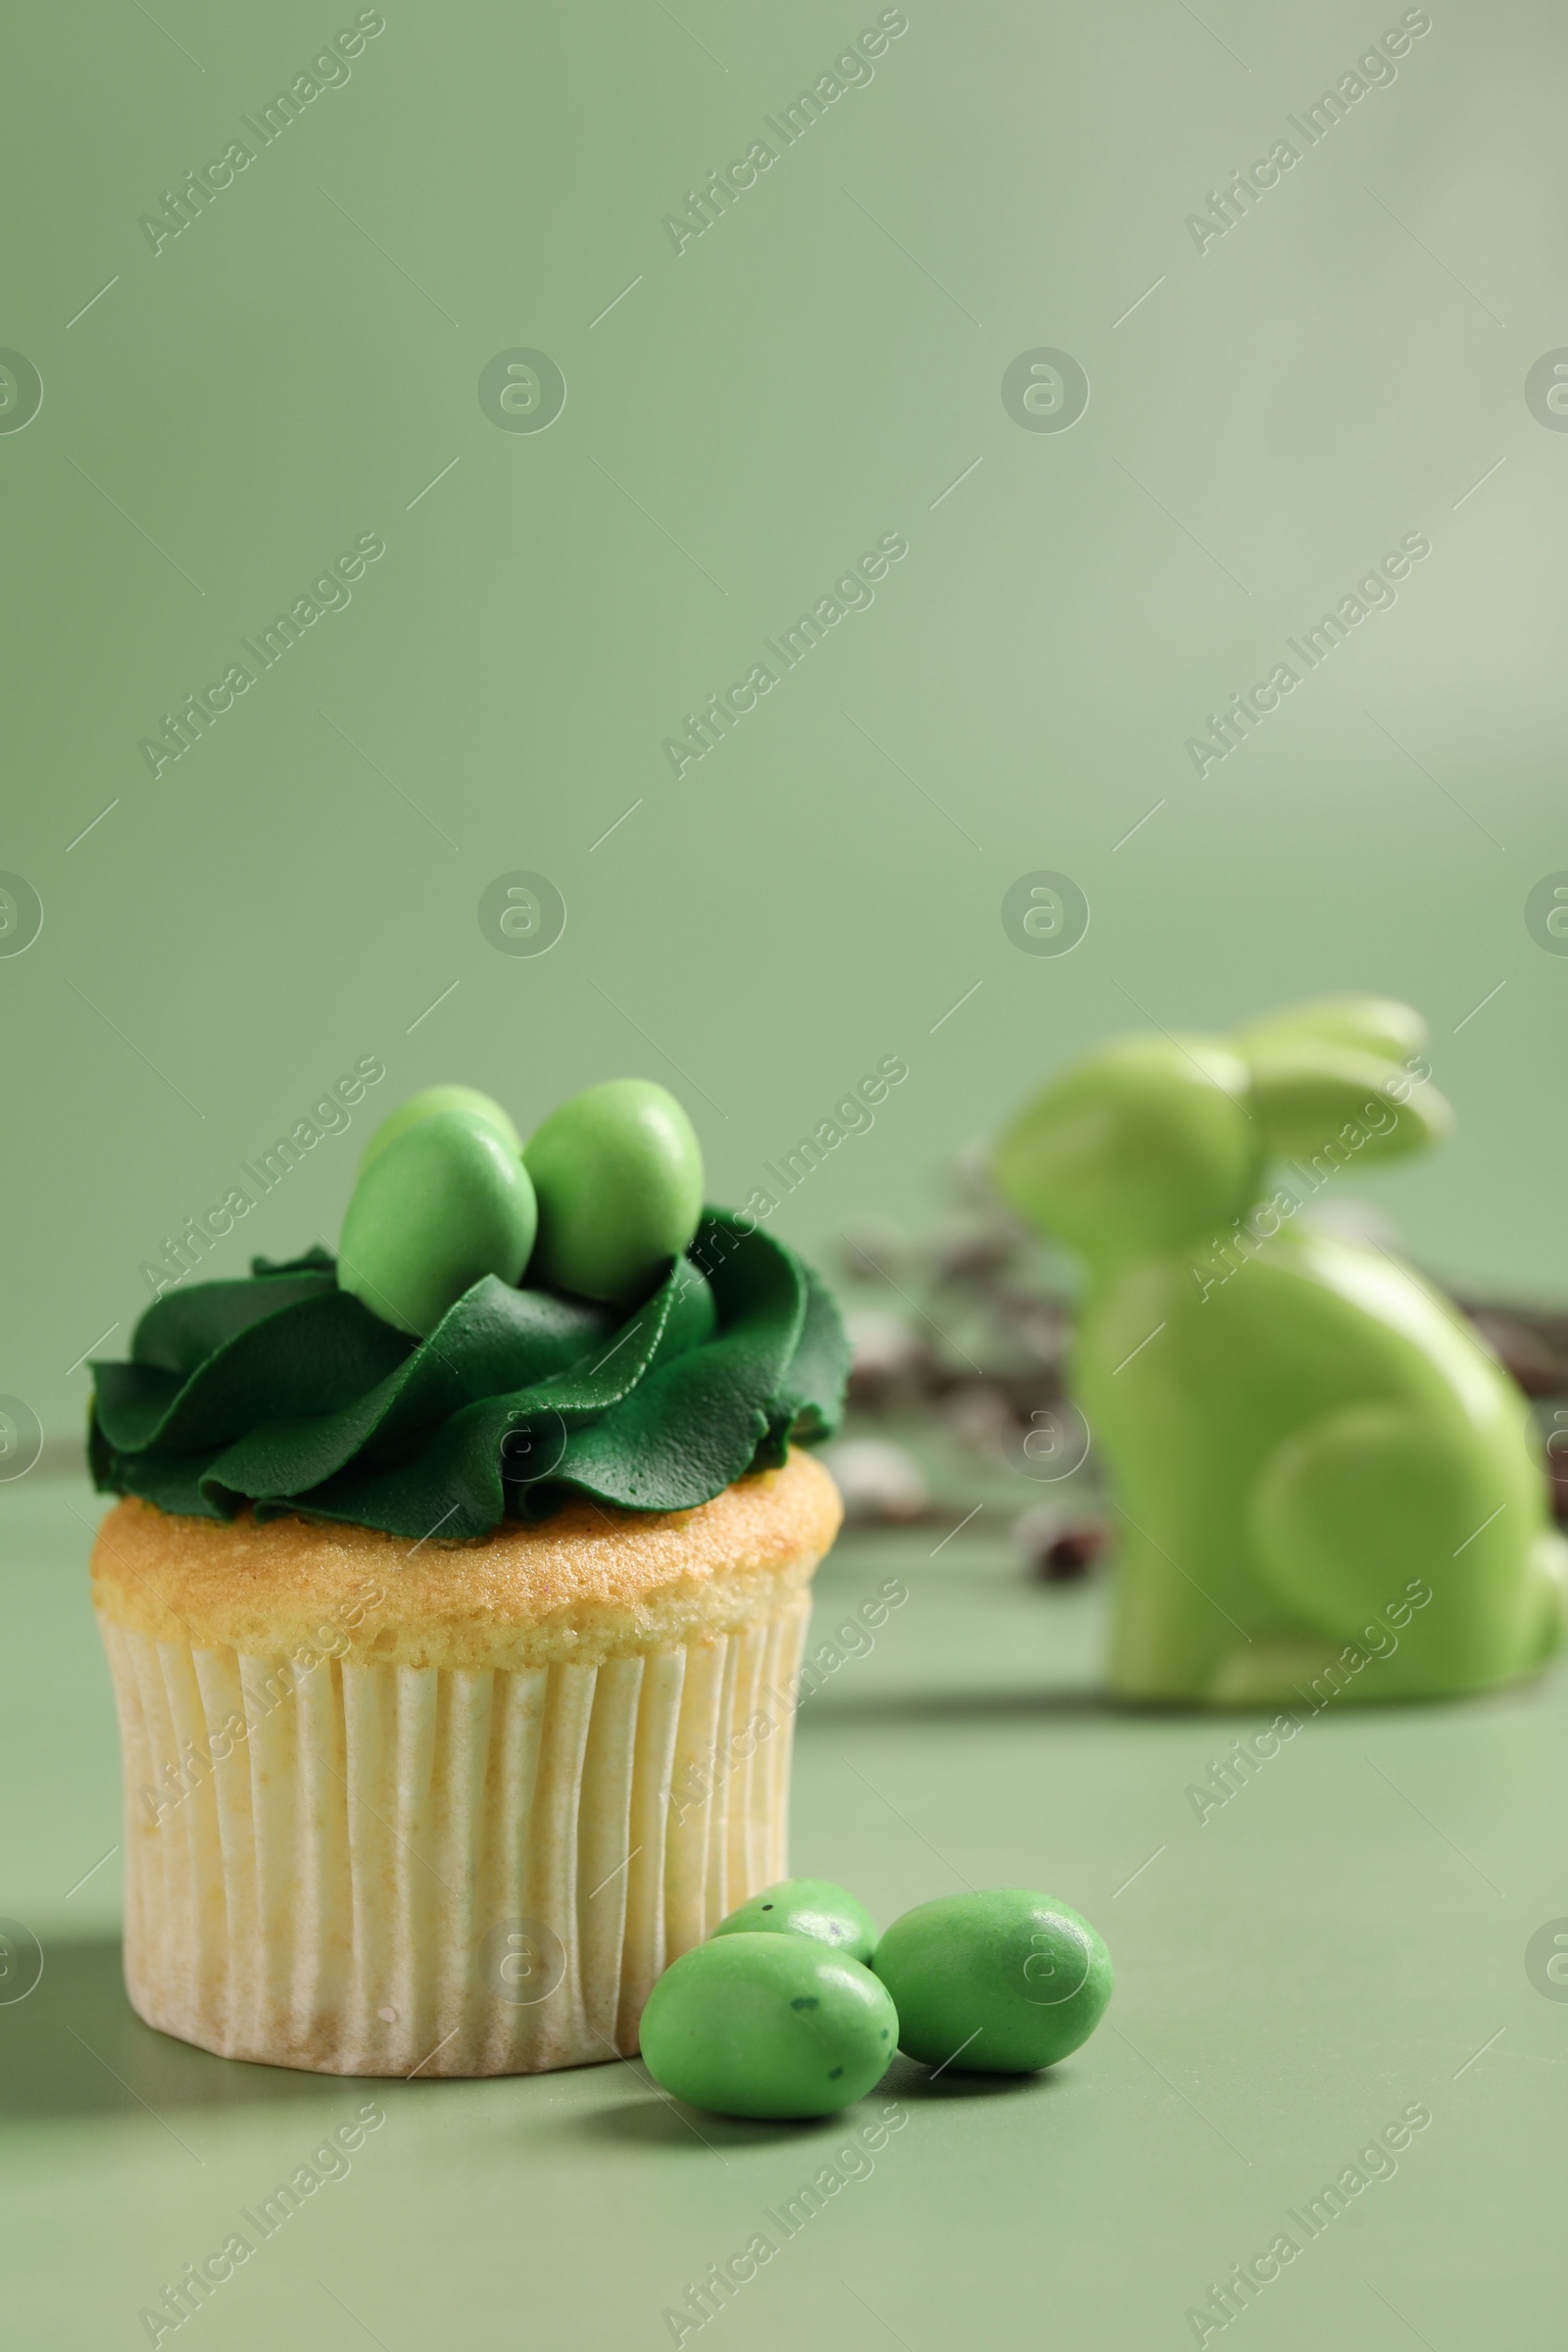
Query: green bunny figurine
pixel 1328 1488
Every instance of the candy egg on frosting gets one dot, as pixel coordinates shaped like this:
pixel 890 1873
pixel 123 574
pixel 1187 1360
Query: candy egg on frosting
pixel 619 1175
pixel 434 1210
pixel 427 1104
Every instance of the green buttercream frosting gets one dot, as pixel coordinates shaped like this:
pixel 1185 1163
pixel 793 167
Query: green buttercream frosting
pixel 283 1393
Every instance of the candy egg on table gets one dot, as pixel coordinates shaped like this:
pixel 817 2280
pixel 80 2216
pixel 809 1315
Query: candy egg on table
pixel 427 1104
pixel 806 1907
pixel 440 1206
pixel 619 1175
pixel 1001 1983
pixel 773 2025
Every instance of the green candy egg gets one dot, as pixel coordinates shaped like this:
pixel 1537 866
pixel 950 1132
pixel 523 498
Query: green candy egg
pixel 427 1104
pixel 443 1204
pixel 806 1907
pixel 773 2025
pixel 618 1173
pixel 999 1984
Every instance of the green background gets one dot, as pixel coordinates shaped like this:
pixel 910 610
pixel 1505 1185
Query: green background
pixel 823 367
pixel 758 410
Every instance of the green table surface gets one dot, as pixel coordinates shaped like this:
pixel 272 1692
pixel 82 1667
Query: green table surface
pixel 1344 1939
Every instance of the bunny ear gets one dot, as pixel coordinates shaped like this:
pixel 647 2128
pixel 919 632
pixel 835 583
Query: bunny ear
pixel 1314 1097
pixel 1378 1025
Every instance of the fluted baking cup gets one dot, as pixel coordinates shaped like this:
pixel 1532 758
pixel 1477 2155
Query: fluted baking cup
pixel 372 1869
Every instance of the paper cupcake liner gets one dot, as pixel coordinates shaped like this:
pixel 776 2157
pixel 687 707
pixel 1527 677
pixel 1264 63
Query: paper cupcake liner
pixel 394 1869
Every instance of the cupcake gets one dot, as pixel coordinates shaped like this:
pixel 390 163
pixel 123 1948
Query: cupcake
pixel 455 1599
